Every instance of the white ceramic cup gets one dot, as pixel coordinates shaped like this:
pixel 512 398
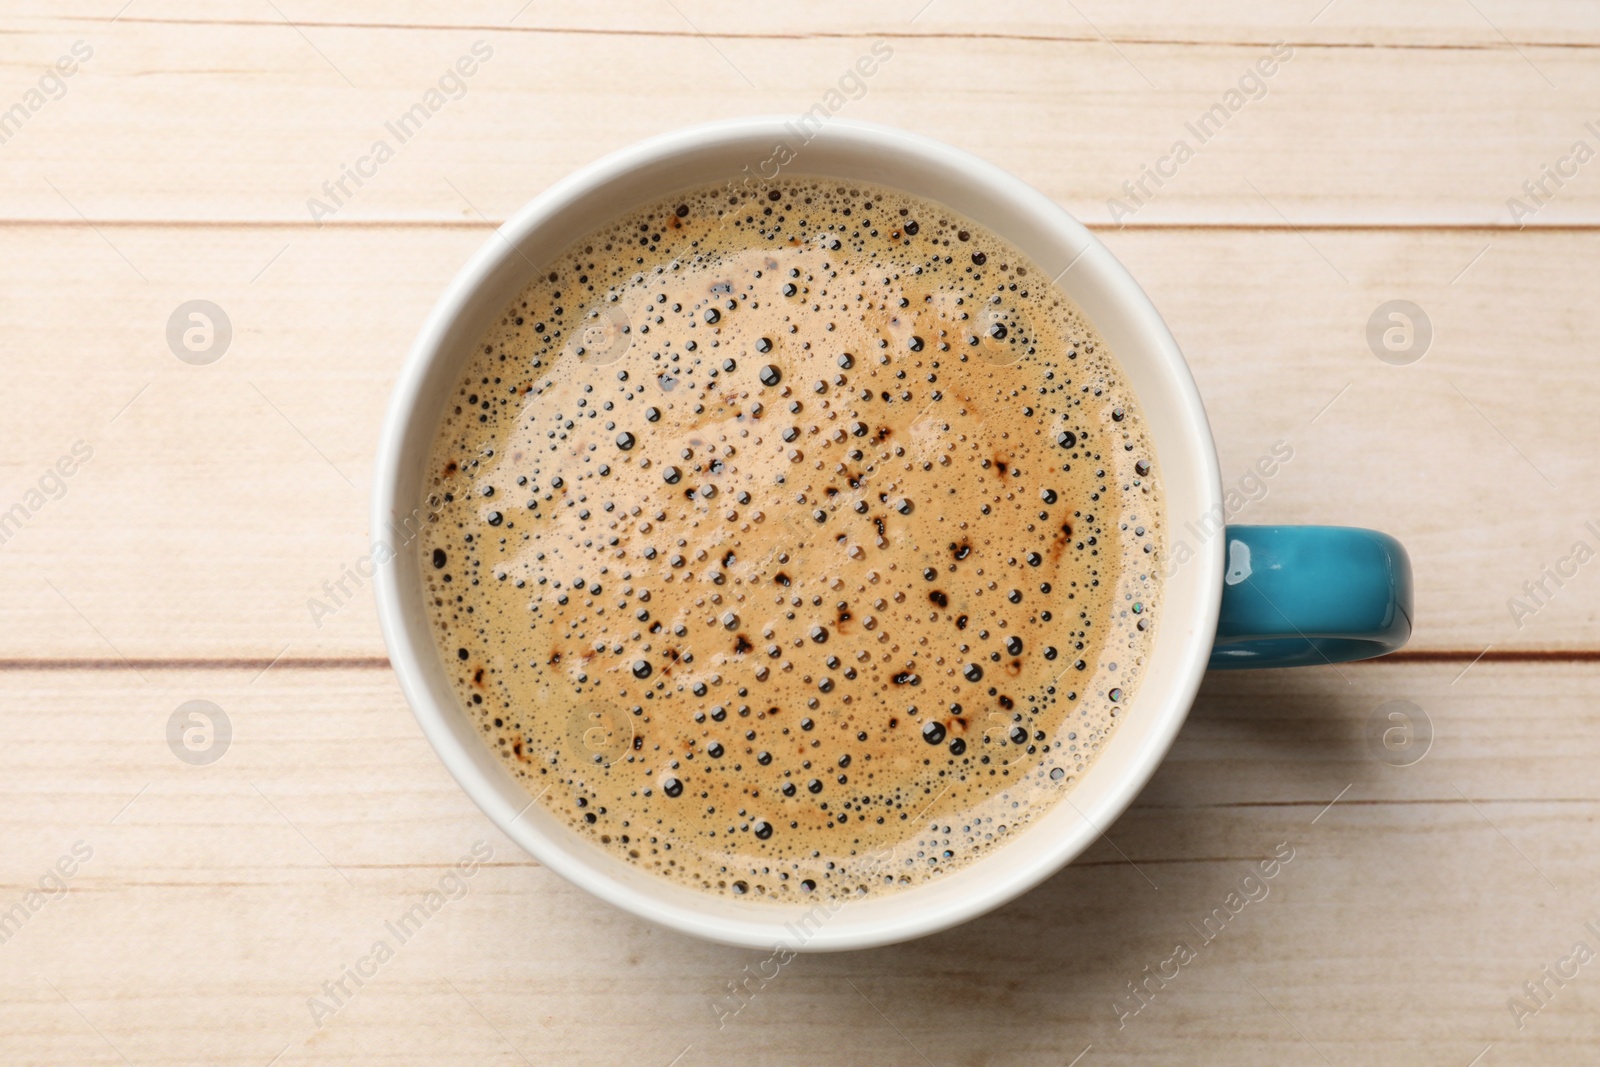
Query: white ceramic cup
pixel 980 191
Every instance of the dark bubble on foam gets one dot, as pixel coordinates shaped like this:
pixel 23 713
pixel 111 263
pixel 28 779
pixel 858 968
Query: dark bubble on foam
pixel 793 539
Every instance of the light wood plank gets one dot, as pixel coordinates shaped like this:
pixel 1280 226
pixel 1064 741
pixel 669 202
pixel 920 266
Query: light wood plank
pixel 217 502
pixel 193 113
pixel 1427 23
pixel 1414 907
pixel 218 499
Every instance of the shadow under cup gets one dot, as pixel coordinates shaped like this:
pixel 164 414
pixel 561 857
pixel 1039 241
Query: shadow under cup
pixel 1057 245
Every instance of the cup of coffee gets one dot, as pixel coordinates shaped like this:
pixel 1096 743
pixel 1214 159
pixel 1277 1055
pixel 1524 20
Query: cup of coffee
pixel 815 540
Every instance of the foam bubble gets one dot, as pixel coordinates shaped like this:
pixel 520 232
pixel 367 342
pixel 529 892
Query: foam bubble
pixel 794 540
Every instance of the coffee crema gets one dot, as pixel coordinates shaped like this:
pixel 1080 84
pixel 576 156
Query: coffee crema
pixel 792 541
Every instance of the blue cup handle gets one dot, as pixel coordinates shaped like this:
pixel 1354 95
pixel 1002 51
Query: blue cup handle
pixel 1299 596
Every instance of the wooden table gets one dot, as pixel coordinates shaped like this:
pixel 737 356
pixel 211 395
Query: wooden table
pixel 207 904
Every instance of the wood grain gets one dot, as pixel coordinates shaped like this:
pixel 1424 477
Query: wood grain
pixel 217 903
pixel 178 561
pixel 1441 125
pixel 220 499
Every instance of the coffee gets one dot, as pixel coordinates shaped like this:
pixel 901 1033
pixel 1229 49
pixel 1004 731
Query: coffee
pixel 794 540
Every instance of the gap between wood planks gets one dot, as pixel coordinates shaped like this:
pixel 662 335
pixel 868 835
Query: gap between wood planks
pixel 375 663
pixel 1266 226
pixel 1502 45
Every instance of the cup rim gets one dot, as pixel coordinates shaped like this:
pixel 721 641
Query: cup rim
pixel 407 415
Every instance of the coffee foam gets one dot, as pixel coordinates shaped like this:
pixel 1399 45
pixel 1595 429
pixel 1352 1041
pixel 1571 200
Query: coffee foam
pixel 795 540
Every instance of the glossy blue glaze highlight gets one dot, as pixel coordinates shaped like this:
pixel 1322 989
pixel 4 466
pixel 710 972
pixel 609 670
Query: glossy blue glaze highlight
pixel 1298 596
